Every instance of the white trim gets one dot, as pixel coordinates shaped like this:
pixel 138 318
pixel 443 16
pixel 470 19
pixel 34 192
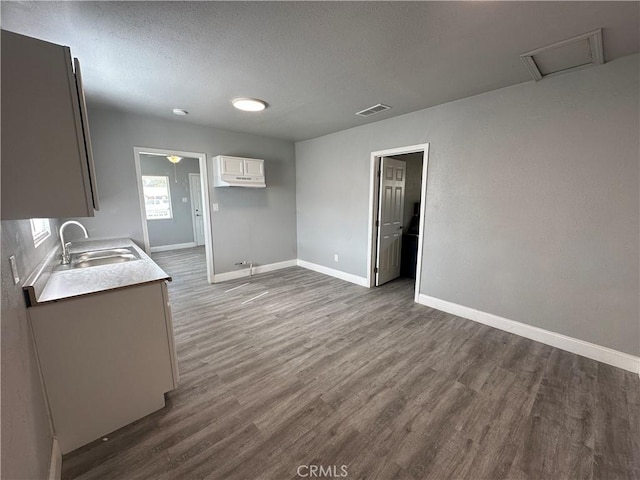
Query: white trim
pixel 143 216
pixel 423 209
pixel 175 246
pixel 363 282
pixel 41 235
pixel 206 211
pixel 594 39
pixel 570 344
pixel 374 188
pixel 373 200
pixel 55 466
pixel 206 207
pixel 223 277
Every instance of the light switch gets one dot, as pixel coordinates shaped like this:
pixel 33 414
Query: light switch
pixel 14 269
pixel 185 199
pixel 215 207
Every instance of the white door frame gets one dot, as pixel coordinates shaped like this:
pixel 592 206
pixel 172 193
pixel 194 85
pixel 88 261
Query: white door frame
pixel 373 203
pixel 193 213
pixel 206 209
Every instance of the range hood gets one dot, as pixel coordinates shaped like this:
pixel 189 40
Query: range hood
pixel 238 172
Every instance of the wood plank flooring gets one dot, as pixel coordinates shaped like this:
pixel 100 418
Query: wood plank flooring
pixel 322 372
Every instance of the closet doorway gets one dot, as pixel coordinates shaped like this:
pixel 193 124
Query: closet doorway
pixel 397 193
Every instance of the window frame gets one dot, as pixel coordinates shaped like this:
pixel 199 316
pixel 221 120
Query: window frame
pixel 40 230
pixel 170 207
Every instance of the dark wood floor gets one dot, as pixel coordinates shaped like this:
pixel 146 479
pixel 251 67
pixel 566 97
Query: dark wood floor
pixel 322 372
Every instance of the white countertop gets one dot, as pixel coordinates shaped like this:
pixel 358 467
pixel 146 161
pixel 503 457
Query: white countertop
pixel 74 282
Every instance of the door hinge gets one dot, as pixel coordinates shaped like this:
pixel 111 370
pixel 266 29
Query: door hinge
pixel 377 223
pixel 375 269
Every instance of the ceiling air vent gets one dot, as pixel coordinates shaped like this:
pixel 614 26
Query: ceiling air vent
pixel 576 52
pixel 367 112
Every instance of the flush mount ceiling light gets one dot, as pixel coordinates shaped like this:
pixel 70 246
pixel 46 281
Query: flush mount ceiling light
pixel 249 104
pixel 576 52
pixel 180 111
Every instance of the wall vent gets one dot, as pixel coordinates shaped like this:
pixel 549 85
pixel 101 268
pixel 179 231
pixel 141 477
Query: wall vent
pixel 367 112
pixel 576 52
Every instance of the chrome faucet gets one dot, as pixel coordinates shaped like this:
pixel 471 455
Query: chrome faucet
pixel 66 256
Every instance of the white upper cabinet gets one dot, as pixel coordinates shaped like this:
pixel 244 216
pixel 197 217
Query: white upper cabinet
pixel 238 172
pixel 47 163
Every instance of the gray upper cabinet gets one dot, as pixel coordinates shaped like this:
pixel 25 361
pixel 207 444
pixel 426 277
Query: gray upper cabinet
pixel 47 163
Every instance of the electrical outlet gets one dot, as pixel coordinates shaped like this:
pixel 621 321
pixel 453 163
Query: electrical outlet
pixel 215 207
pixel 14 269
pixel 185 200
pixel 335 257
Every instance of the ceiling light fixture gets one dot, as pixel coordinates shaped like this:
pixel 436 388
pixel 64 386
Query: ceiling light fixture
pixel 249 104
pixel 174 159
pixel 180 111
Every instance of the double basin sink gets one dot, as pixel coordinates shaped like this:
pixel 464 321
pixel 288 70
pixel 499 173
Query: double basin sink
pixel 94 258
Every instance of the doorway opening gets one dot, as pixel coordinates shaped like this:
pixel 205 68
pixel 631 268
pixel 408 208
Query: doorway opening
pixel 397 195
pixel 174 201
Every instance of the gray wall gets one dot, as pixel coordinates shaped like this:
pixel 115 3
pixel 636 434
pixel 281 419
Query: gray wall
pixel 532 208
pixel 26 435
pixel 252 224
pixel 178 229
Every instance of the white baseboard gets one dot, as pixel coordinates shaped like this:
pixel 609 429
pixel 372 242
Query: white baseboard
pixel 334 273
pixel 176 246
pixel 244 271
pixel 570 344
pixel 55 467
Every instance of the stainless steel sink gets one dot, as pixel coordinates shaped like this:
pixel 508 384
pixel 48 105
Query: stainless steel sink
pixel 111 252
pixel 94 258
pixel 94 262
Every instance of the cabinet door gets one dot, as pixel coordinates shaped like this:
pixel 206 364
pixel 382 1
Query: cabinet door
pixel 170 335
pixel 231 166
pixel 105 360
pixel 254 168
pixel 89 168
pixel 44 154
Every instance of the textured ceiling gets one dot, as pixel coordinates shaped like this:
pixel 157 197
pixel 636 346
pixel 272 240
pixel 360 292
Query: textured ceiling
pixel 315 63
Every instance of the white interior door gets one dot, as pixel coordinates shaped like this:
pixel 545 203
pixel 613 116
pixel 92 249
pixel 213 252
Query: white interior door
pixel 195 187
pixel 390 214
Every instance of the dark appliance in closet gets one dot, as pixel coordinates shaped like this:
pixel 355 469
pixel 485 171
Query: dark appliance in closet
pixel 410 239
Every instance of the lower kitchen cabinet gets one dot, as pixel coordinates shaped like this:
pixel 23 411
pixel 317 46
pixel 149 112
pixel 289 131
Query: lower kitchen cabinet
pixel 106 359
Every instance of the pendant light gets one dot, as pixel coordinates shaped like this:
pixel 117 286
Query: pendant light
pixel 174 159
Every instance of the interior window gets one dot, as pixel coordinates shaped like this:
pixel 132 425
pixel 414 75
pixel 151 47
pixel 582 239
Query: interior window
pixel 157 197
pixel 40 230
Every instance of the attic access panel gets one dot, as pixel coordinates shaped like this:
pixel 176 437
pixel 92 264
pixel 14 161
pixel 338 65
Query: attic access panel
pixel 576 52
